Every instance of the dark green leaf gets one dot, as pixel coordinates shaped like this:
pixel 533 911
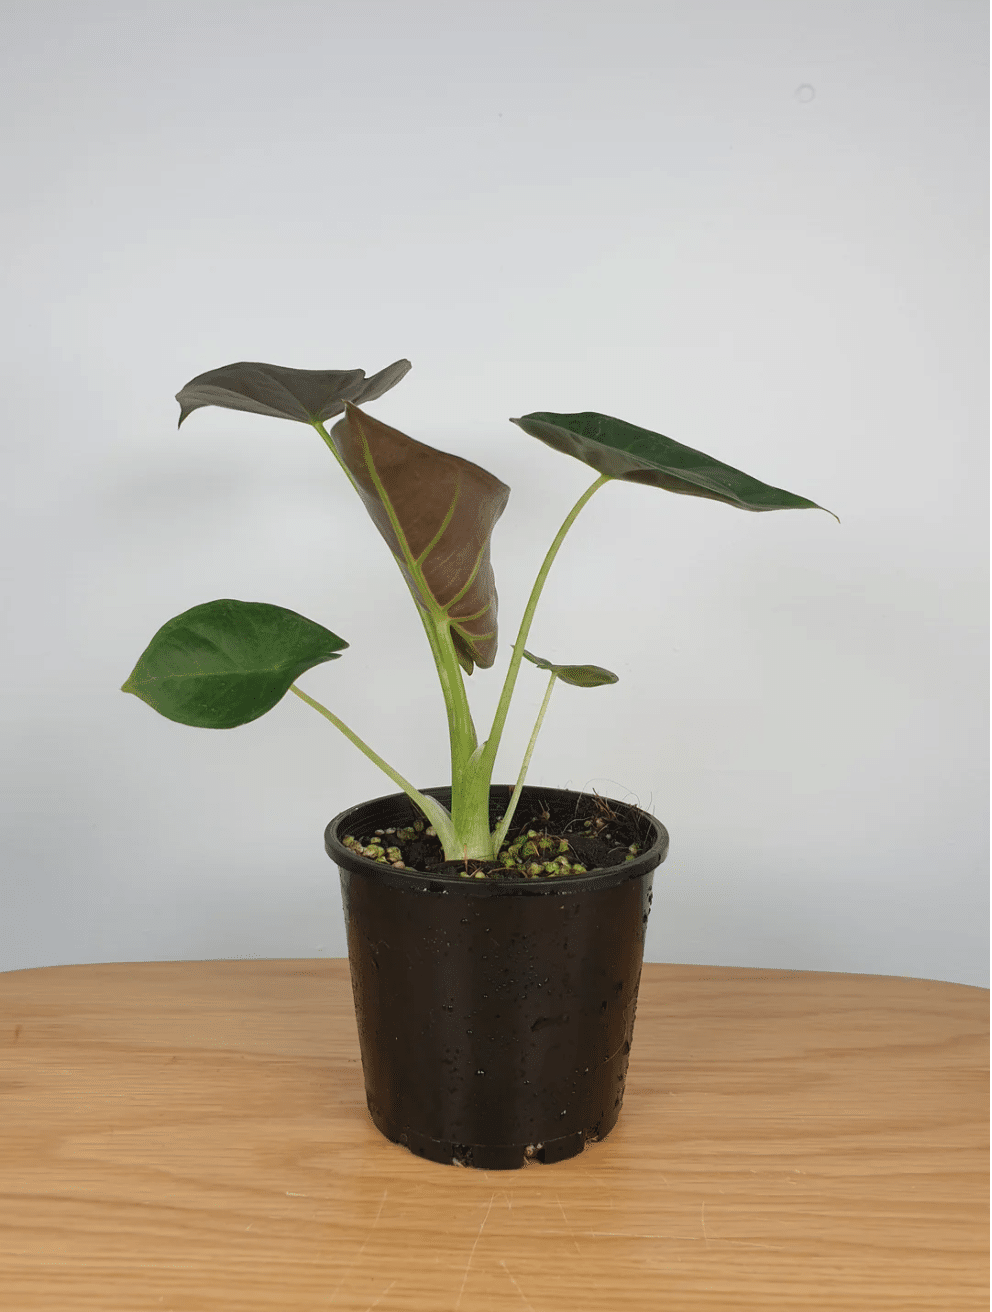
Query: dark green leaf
pixel 582 676
pixel 637 455
pixel 304 395
pixel 227 662
pixel 445 509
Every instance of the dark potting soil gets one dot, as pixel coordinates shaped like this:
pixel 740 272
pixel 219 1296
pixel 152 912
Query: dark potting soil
pixel 545 841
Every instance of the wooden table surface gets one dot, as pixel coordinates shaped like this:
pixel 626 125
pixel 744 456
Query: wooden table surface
pixel 193 1137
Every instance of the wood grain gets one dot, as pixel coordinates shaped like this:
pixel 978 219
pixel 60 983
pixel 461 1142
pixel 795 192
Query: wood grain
pixel 193 1137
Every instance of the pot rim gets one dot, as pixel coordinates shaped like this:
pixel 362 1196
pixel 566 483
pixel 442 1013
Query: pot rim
pixel 416 880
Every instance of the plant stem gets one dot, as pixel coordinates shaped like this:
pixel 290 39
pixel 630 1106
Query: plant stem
pixel 437 623
pixel 461 731
pixel 329 441
pixel 504 824
pixel 431 807
pixel 488 754
pixel 461 728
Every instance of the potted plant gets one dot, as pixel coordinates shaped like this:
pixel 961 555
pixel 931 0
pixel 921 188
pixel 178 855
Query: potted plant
pixel 495 932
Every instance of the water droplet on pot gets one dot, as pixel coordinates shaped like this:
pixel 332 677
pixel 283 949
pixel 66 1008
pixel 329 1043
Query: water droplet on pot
pixel 483 1073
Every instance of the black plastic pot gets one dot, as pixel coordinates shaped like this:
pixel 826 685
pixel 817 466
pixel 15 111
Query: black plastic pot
pixel 495 1017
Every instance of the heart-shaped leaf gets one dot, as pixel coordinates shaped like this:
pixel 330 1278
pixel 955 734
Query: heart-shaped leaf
pixel 304 395
pixel 436 512
pixel 582 676
pixel 636 455
pixel 227 662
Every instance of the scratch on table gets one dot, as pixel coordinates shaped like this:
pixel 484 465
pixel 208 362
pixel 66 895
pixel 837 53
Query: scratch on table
pixel 623 1234
pixel 381 1296
pixel 569 1224
pixel 678 1239
pixel 385 1194
pixel 472 1254
pixel 702 1217
pixel 515 1285
pixel 743 1243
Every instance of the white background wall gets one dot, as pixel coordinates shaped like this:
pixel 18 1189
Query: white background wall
pixel 757 226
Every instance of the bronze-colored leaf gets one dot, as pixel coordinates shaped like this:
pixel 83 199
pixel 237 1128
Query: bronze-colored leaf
pixel 436 512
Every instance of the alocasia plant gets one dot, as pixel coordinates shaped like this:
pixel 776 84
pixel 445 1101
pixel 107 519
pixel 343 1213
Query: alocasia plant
pixel 226 663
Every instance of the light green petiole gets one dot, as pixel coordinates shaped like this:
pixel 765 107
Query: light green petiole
pixel 500 832
pixel 329 443
pixel 491 745
pixel 432 808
